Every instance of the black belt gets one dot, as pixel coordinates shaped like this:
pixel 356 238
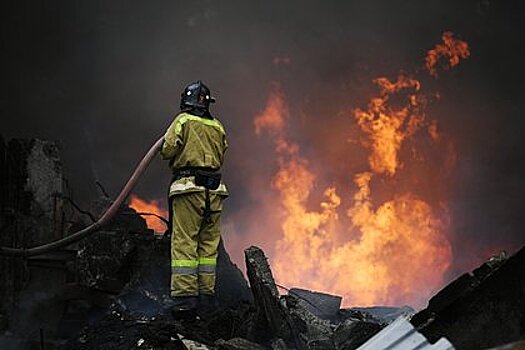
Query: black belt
pixel 209 181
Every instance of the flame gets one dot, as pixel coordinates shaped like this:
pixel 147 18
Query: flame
pixel 453 49
pixel 402 248
pixel 388 127
pixel 274 115
pixel 392 252
pixel 433 130
pixel 153 207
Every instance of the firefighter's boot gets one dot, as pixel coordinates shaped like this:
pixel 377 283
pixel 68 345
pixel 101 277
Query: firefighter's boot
pixel 184 307
pixel 207 305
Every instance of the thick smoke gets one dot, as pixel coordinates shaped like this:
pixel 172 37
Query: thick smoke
pixel 104 79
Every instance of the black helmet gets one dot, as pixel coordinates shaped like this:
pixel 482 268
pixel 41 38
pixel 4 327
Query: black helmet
pixel 196 95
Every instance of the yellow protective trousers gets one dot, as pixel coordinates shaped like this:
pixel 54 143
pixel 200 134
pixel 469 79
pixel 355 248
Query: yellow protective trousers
pixel 194 243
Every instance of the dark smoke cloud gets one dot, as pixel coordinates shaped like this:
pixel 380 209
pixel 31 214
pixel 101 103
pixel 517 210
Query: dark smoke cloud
pixel 103 78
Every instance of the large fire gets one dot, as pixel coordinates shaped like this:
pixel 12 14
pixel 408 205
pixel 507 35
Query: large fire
pixel 389 252
pixel 377 242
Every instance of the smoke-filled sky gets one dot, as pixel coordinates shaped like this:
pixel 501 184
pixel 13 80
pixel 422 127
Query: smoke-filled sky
pixel 104 77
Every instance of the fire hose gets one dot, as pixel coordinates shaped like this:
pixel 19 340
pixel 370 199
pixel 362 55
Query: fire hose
pixel 101 222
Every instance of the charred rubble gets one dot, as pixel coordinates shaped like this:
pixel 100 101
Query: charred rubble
pixel 110 290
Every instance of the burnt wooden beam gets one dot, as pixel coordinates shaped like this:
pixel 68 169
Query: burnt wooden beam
pixel 266 296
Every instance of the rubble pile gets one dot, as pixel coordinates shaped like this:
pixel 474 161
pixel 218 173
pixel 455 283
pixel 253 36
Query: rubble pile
pixel 299 320
pixel 110 290
pixel 270 321
pixel 47 299
pixel 129 270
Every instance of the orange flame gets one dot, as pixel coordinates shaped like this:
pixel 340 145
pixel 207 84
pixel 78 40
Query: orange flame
pixel 393 252
pixel 402 253
pixel 153 207
pixel 274 115
pixel 453 49
pixel 388 127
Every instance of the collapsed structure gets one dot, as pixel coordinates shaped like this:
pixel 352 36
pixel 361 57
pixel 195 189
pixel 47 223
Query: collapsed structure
pixel 110 290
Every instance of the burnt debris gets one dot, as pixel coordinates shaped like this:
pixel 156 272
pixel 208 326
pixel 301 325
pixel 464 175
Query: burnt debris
pixel 110 290
pixel 481 309
pixel 32 212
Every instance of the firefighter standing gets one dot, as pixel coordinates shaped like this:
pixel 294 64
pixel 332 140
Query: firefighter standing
pixel 194 144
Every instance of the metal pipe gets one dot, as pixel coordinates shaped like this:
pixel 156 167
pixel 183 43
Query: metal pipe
pixel 101 222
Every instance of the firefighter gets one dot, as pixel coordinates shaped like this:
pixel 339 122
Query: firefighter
pixel 194 144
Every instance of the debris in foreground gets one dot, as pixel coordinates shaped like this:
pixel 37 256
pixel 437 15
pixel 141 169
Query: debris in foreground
pixel 482 309
pixel 274 321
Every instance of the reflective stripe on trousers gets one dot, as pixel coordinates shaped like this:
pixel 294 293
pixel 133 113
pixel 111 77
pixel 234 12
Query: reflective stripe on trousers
pixel 184 267
pixel 189 267
pixel 207 265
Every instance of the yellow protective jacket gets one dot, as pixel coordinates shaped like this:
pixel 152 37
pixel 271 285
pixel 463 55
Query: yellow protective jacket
pixel 193 141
